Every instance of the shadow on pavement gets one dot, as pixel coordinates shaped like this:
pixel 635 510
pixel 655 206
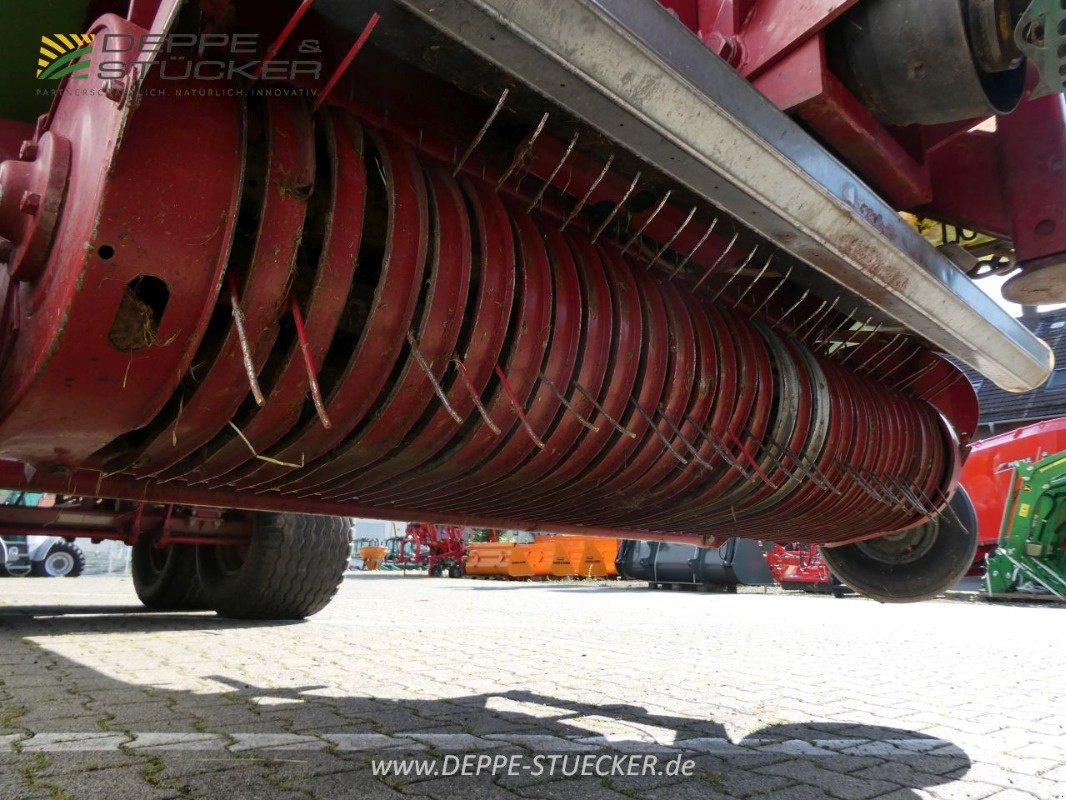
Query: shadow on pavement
pixel 832 758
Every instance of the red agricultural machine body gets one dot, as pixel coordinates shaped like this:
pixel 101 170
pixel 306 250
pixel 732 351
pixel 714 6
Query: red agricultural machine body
pixel 558 266
pixel 989 471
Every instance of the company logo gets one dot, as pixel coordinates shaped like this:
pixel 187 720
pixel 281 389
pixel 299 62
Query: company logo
pixel 61 55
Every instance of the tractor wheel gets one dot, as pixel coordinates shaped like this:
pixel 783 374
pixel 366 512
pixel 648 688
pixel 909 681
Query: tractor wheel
pixel 455 571
pixel 917 564
pixel 291 569
pixel 64 560
pixel 165 577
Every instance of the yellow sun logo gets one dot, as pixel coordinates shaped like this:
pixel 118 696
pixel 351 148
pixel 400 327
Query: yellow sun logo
pixel 61 55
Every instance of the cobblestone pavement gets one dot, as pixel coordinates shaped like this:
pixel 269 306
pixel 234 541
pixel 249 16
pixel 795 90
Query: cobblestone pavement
pixel 759 695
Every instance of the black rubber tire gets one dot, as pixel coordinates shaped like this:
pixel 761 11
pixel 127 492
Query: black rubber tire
pixel 165 578
pixel 39 569
pixel 293 567
pixel 455 571
pixel 940 567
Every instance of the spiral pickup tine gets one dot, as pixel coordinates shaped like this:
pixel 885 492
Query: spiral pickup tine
pixel 603 412
pixel 695 247
pixel 755 280
pixel 516 403
pixel 866 487
pixel 721 451
pixel 464 375
pixel 421 361
pixel 754 464
pixel 658 433
pixel 618 207
pixel 717 262
pixel 669 242
pixel 481 133
pixel 688 445
pixel 523 152
pixel 567 405
pixel 772 292
pixel 242 338
pixel 910 380
pixel 585 197
pixel 767 447
pixel 737 272
pixel 547 181
pixel 947 507
pixel 640 231
pixel 922 508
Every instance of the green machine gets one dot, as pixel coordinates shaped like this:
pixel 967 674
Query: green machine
pixel 1031 556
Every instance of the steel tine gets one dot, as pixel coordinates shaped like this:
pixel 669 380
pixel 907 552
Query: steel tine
pixel 754 464
pixel 803 325
pixel 721 451
pixel 584 198
pixel 688 445
pixel 547 181
pixel 309 364
pixel 648 221
pixel 465 376
pixel 849 319
pixel 242 338
pixel 659 433
pixel 516 403
pixel 917 349
pixel 617 208
pixel 817 475
pixel 767 445
pixel 816 320
pixel 523 152
pixel 695 247
pixel 854 473
pixel 481 133
pixel 884 352
pixel 567 405
pixel 918 499
pixel 757 278
pixel 906 494
pixel 943 385
pixel 949 509
pixel 910 379
pixel 792 308
pixel 614 423
pixel 736 273
pixel 718 261
pixel 670 241
pixel 421 361
pixel 772 292
pixel 846 347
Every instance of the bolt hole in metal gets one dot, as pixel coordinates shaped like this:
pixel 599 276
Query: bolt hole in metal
pixel 901 548
pixel 106 252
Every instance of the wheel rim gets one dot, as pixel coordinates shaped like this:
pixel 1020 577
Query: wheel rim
pixel 58 564
pixel 901 548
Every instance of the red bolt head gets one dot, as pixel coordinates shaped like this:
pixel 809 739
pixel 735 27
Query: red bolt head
pixel 28 151
pixel 30 203
pixel 6 248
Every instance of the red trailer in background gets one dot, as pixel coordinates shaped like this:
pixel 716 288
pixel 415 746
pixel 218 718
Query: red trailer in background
pixel 987 475
pixel 440 548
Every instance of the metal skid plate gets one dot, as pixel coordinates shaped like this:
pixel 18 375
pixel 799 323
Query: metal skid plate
pixel 635 73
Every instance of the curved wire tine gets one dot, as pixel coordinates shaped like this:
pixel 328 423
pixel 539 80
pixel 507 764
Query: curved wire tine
pixel 910 495
pixel 721 451
pixel 802 464
pixel 736 273
pixel 917 349
pixel 857 477
pixel 847 344
pixel 547 181
pixel 670 241
pixel 754 281
pixel 941 386
pixel 465 376
pixel 523 151
pixel 754 464
pixel 649 220
pixel 242 338
pixel 567 405
pixel 886 350
pixel 767 445
pixel 585 197
pixel 421 360
pixel 688 445
pixel 695 247
pixel 908 381
pixel 947 507
pixel 774 291
pixel 815 320
pixel 849 319
pixel 900 496
pixel 614 423
pixel 659 433
pixel 481 133
pixel 509 391
pixel 791 308
pixel 617 208
pixel 309 364
pixel 717 261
